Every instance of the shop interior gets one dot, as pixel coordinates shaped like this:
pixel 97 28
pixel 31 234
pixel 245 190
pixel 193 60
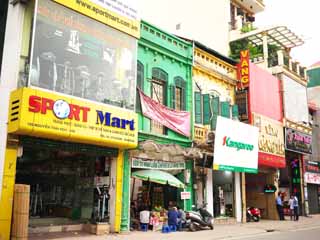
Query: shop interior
pixel 155 197
pixel 69 183
pixel 223 193
pixel 289 182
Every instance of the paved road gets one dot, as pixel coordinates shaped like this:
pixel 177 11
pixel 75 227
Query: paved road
pixel 312 233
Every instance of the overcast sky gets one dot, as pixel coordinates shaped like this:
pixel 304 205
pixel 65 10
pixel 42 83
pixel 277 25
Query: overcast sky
pixel 301 17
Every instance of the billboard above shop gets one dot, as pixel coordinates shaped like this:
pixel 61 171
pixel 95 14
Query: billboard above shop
pixel 298 142
pixel 49 115
pixel 236 146
pixel 79 56
pixel 120 14
pixel 271 141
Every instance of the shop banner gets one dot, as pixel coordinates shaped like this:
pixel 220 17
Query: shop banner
pixel 76 55
pixel 243 68
pixel 271 141
pixel 298 141
pixel 178 121
pixel 313 178
pixel 185 195
pixel 155 164
pixel 236 146
pixel 120 14
pixel 311 166
pixel 49 115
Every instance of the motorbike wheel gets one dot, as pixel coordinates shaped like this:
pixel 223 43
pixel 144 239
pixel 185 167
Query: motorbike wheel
pixel 211 227
pixel 256 219
pixel 192 227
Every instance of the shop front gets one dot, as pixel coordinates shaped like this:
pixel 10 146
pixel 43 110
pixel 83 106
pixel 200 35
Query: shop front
pixel 312 180
pixel 70 153
pixel 297 144
pixel 159 183
pixel 235 153
pixel 261 188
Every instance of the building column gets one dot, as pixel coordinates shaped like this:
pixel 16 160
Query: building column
pixel 238 198
pixel 209 191
pixel 243 197
pixel 125 215
pixel 265 49
pixel 6 201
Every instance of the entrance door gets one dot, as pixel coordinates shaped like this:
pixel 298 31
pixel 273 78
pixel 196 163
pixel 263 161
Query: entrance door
pixel 313 198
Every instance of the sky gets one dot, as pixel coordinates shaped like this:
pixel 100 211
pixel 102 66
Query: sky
pixel 301 17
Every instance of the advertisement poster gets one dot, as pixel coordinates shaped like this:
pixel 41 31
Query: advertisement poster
pixel 298 141
pixel 236 146
pixel 76 55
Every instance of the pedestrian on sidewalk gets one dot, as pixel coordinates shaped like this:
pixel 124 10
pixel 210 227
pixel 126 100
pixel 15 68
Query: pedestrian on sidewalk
pixel 291 207
pixel 280 206
pixel 296 208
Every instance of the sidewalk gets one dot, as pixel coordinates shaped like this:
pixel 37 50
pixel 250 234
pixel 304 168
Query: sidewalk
pixel 220 231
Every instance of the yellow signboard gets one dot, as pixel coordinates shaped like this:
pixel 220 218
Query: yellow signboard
pixel 271 137
pixel 50 115
pixel 94 9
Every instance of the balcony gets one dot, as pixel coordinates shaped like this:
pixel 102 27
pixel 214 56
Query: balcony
pixel 200 134
pixel 253 6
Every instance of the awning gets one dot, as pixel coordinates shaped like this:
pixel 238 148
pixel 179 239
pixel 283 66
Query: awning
pixel 158 176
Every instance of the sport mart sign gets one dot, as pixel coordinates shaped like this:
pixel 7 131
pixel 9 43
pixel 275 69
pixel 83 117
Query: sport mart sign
pixel 236 146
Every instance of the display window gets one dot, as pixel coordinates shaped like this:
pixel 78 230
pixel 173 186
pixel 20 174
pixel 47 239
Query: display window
pixel 76 55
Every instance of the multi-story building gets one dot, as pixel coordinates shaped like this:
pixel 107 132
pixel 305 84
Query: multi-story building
pixel 218 20
pixel 161 166
pixel 67 93
pixel 270 49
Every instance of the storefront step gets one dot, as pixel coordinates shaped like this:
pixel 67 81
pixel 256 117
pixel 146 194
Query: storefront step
pixel 56 228
pixel 224 220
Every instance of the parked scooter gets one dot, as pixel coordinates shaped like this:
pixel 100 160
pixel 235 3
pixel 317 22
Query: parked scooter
pixel 253 214
pixel 200 219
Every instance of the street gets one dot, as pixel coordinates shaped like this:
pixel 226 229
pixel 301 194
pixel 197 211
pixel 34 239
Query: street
pixel 266 229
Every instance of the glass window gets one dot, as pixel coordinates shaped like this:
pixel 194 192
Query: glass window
pixel 76 55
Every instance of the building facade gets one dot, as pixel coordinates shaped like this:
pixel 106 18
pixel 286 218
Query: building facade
pixel 68 81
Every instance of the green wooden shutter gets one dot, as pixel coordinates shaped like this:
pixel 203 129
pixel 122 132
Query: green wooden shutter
pixel 235 112
pixel 183 96
pixel 215 105
pixel 140 76
pixel 173 96
pixel 225 109
pixel 197 107
pixel 206 108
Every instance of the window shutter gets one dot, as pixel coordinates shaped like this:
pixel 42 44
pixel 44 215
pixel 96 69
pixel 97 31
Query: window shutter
pixel 235 112
pixel 183 95
pixel 215 112
pixel 197 107
pixel 225 109
pixel 140 77
pixel 173 96
pixel 206 109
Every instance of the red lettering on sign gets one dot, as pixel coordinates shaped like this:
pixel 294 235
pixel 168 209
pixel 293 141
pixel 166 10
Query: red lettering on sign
pixel 34 103
pixel 47 104
pixel 74 112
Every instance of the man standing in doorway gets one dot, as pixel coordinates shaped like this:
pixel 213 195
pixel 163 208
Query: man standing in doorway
pixel 280 206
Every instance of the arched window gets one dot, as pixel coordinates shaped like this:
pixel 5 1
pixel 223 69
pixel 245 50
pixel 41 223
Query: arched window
pixel 140 79
pixel 178 92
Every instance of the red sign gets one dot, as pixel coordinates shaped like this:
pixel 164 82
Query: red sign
pixel 244 68
pixel 270 160
pixel 185 195
pixel 313 178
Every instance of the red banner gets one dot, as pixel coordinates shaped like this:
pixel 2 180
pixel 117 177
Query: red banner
pixel 269 160
pixel 178 121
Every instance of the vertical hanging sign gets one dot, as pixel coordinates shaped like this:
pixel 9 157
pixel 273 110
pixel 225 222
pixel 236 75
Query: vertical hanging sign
pixel 244 75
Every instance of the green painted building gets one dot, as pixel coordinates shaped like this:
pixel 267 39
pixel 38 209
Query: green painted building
pixel 164 73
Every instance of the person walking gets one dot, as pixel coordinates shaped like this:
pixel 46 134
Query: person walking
pixel 296 208
pixel 291 207
pixel 280 206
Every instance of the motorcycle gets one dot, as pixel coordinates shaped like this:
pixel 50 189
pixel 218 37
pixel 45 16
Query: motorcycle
pixel 200 219
pixel 253 214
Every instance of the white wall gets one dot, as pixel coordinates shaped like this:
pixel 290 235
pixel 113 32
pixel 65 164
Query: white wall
pixel 9 71
pixel 206 21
